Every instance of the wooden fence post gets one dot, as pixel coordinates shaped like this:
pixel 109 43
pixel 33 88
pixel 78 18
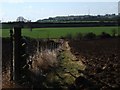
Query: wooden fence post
pixel 16 53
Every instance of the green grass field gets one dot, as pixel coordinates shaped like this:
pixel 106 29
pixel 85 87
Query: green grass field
pixel 58 32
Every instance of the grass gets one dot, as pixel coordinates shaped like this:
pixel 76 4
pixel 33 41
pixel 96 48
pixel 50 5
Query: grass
pixel 58 32
pixel 67 64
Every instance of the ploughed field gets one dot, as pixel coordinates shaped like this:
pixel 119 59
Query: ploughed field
pixel 102 60
pixel 61 32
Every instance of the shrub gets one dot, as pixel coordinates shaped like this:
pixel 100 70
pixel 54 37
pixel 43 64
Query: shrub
pixel 79 36
pixel 68 36
pixel 90 36
pixel 104 35
pixel 114 32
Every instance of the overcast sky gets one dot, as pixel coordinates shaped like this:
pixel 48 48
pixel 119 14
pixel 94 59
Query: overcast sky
pixel 34 10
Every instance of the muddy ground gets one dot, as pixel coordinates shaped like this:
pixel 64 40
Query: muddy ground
pixel 102 59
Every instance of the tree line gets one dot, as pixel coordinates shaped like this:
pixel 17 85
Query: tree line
pixel 80 18
pixel 53 24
